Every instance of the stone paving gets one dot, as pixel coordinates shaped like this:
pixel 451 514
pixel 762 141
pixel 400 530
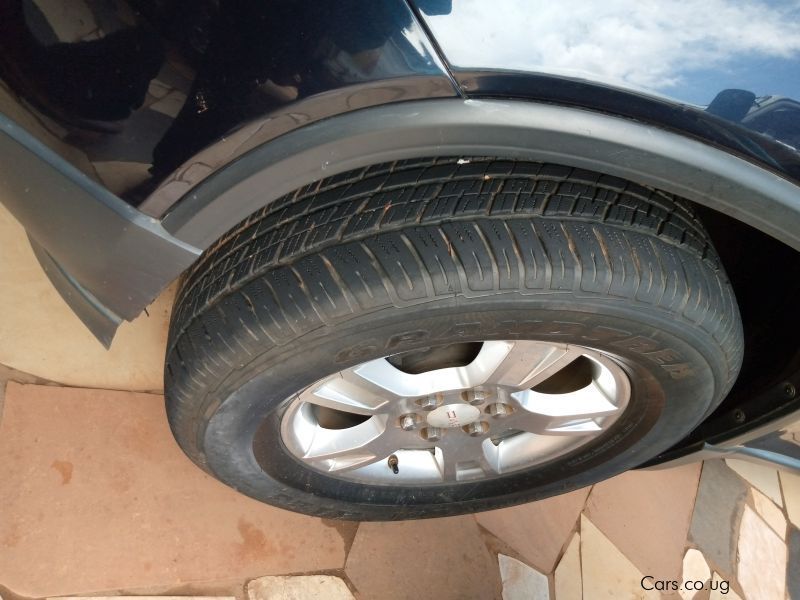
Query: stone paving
pixel 98 500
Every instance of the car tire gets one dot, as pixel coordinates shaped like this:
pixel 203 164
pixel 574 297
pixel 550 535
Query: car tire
pixel 430 266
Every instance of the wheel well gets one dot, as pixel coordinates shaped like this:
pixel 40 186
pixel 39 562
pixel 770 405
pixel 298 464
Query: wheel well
pixel 765 275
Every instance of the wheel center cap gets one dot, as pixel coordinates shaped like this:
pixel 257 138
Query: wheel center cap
pixel 453 415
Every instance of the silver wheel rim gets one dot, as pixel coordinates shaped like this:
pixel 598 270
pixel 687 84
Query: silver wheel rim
pixel 496 414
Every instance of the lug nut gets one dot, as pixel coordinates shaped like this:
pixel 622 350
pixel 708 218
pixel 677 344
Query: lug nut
pixel 474 397
pixel 429 402
pixel 408 422
pixel 432 434
pixel 477 428
pixel 498 409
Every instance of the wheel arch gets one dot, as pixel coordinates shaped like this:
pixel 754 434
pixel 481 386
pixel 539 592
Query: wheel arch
pixel 576 137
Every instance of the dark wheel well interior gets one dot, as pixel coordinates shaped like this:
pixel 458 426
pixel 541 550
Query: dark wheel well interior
pixel 765 275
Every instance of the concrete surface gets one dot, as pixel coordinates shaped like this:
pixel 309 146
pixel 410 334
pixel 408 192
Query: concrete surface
pixel 97 499
pixel 538 531
pixel 629 508
pixel 97 496
pixel 717 511
pixel 301 587
pixel 436 558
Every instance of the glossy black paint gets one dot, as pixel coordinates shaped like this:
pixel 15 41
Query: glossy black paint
pixel 277 64
pixel 250 136
pixel 263 55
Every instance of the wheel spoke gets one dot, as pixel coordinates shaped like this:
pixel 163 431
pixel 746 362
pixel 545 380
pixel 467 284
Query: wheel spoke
pixel 335 450
pixel 363 439
pixel 464 457
pixel 385 375
pixel 348 393
pixel 574 413
pixel 530 363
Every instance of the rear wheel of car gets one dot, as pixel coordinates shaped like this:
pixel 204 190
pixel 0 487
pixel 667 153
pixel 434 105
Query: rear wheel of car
pixel 439 336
